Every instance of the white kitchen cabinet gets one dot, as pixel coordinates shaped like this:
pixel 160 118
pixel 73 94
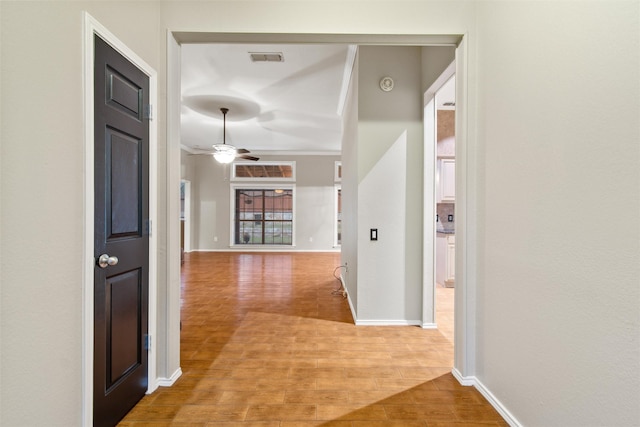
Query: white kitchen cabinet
pixel 450 262
pixel 446 189
pixel 446 259
pixel 441 258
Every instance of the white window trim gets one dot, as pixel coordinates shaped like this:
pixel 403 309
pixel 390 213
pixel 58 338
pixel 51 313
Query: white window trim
pixel 266 163
pixel 336 189
pixel 336 169
pixel 260 186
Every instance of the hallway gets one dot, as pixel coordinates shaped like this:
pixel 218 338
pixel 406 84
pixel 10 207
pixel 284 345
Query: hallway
pixel 265 343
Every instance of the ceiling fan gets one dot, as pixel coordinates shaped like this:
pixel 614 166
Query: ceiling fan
pixel 225 153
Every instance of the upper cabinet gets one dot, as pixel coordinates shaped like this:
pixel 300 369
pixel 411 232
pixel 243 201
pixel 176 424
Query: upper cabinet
pixel 446 188
pixel 446 151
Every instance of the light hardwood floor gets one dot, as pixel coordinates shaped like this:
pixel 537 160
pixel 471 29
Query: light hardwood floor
pixel 265 343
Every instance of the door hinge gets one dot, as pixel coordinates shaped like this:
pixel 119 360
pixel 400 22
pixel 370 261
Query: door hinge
pixel 147 227
pixel 147 342
pixel 148 112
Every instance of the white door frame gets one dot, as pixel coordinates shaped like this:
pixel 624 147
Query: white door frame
pixel 187 214
pixel 465 295
pixel 429 320
pixel 464 347
pixel 92 27
pixel 466 226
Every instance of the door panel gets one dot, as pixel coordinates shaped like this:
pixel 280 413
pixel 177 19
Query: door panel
pixel 121 156
pixel 123 323
pixel 123 94
pixel 126 215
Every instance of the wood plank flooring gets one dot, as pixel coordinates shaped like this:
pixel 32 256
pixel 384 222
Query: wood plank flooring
pixel 264 343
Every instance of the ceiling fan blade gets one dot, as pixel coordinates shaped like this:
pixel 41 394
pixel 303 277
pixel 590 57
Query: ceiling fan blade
pixel 242 151
pixel 244 156
pixel 204 153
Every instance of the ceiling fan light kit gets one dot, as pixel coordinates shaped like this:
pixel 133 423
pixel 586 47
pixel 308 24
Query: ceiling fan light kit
pixel 224 153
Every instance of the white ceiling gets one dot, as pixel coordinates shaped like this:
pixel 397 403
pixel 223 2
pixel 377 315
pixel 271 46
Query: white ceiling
pixel 447 95
pixel 290 107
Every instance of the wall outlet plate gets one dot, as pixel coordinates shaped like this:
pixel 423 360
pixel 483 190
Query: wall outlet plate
pixel 450 218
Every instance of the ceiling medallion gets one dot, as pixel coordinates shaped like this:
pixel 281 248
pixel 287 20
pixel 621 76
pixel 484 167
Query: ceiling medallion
pixel 386 84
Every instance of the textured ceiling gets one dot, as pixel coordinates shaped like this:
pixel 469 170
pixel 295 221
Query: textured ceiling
pixel 289 106
pixel 293 106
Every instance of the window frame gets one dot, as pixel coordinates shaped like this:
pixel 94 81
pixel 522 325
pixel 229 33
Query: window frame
pixel 337 195
pixel 263 179
pixel 260 186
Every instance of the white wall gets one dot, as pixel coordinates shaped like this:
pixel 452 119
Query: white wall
pixel 435 59
pixel 382 286
pixel 187 165
pixel 390 140
pixel 349 250
pixel 42 200
pixel 211 204
pixel 315 202
pixel 187 173
pixel 551 167
pixel 559 261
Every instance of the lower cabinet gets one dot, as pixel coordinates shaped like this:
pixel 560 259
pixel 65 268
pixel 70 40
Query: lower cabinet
pixel 451 262
pixel 446 259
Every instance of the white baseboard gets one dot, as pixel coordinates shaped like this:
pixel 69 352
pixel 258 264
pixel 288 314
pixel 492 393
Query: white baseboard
pixel 344 288
pixel 378 322
pixel 465 381
pixel 268 249
pixel 152 386
pixel 429 326
pixel 375 322
pixel 168 382
pixel 502 410
pixel 497 405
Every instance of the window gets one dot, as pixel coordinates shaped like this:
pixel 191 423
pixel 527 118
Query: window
pixel 263 216
pixel 262 171
pixel 338 224
pixel 337 177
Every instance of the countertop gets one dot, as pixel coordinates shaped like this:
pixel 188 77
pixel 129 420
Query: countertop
pixel 446 231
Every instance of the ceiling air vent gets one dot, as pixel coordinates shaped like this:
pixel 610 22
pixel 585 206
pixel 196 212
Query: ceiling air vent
pixel 266 56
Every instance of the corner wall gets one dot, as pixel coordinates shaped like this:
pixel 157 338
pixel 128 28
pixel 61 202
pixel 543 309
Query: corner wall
pixel 349 256
pixel 390 141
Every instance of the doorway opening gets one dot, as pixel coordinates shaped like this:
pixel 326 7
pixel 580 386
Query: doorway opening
pixel 444 179
pixel 463 317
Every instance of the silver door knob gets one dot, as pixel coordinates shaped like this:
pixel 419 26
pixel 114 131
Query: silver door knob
pixel 105 260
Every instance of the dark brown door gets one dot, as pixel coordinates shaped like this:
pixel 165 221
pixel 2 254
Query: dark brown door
pixel 121 278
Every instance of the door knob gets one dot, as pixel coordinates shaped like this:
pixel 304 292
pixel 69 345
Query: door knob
pixel 105 260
